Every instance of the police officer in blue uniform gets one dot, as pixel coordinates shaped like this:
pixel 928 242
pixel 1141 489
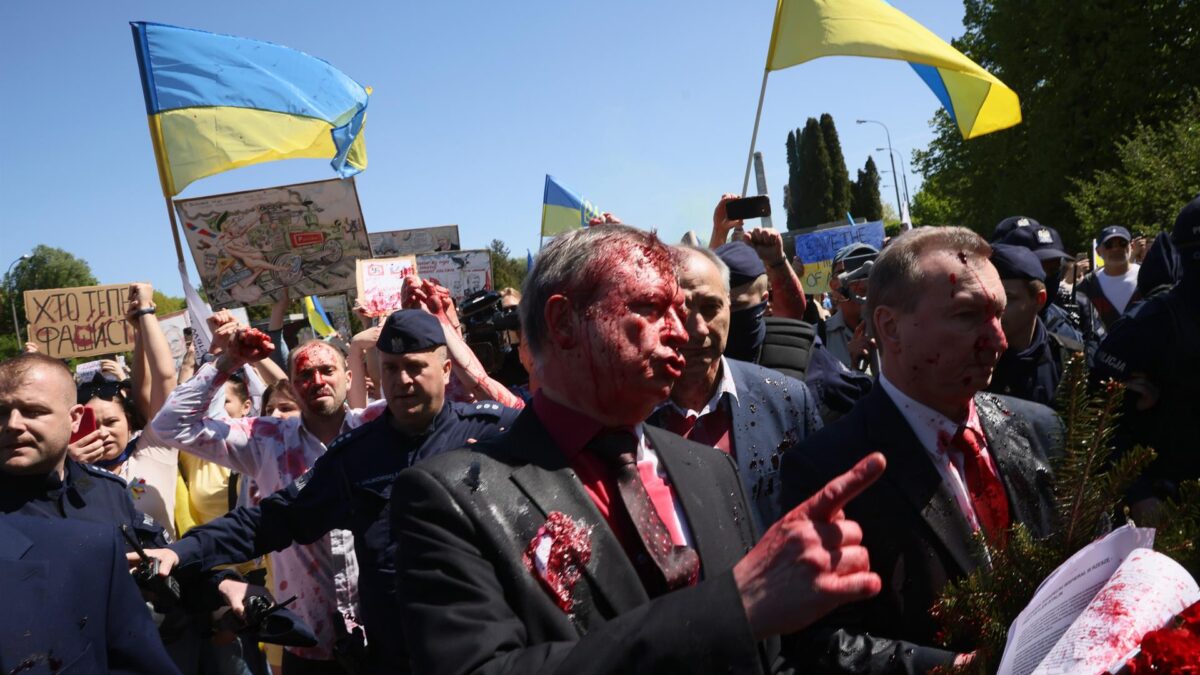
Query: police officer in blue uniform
pixel 1155 350
pixel 38 412
pixel 350 485
pixel 1032 365
pixel 1061 315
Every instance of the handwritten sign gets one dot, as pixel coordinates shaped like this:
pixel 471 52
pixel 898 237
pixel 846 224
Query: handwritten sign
pixel 381 281
pixel 816 250
pixel 82 321
pixel 461 272
pixel 414 241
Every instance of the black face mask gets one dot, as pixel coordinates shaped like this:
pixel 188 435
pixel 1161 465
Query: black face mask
pixel 747 331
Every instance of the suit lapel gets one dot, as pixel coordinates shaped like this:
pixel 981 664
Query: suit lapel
pixel 911 471
pixel 705 506
pixel 550 484
pixel 1014 457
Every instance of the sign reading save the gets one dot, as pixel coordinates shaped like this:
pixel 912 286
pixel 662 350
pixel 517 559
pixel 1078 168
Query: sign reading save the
pixel 83 321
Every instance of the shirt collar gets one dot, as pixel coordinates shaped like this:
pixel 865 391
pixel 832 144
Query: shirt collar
pixel 571 429
pixel 725 385
pixel 929 425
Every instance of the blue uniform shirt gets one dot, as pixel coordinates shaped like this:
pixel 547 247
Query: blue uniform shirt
pixel 347 488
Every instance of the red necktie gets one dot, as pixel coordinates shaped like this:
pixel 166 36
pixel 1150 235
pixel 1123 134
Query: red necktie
pixel 673 566
pixel 987 492
pixel 677 422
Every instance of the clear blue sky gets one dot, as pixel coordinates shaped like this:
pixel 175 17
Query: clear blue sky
pixel 644 108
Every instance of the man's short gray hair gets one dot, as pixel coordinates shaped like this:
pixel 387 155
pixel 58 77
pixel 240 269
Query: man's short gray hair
pixel 572 265
pixel 897 279
pixel 710 255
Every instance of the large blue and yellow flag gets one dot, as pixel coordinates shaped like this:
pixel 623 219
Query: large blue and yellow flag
pixel 563 210
pixel 805 30
pixel 218 102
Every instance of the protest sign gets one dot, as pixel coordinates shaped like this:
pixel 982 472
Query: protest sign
pixel 463 272
pixel 380 282
pixel 816 250
pixel 338 312
pixel 249 246
pixel 82 321
pixel 414 241
pixel 173 326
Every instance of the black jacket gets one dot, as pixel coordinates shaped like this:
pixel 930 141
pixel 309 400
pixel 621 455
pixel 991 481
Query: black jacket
pixel 916 536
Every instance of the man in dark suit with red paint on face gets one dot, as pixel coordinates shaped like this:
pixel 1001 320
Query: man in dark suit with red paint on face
pixel 583 541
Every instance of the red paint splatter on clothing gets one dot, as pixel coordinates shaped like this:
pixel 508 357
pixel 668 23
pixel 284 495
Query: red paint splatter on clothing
pixel 570 551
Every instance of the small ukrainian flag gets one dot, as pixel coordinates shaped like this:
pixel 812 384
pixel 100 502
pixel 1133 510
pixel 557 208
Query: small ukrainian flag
pixel 563 210
pixel 317 318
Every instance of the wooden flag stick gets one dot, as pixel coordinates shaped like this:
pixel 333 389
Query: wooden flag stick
pixel 754 136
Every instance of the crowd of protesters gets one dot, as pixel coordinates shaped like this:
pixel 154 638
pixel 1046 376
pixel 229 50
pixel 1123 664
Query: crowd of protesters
pixel 675 460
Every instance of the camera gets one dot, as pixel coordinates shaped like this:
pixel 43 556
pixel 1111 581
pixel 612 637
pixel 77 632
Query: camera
pixel 488 329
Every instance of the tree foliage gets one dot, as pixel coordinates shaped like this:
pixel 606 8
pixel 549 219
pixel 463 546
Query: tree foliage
pixel 838 176
pixel 506 270
pixel 1158 172
pixel 793 185
pixel 1087 73
pixel 47 267
pixel 813 200
pixel 866 202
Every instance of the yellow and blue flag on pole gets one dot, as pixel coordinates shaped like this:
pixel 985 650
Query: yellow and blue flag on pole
pixel 317 318
pixel 219 102
pixel 804 30
pixel 563 210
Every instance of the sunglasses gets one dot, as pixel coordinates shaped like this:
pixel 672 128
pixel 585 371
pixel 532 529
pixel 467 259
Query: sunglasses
pixel 103 390
pixel 1115 243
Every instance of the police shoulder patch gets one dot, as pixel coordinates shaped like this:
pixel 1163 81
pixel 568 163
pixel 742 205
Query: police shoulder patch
pixel 483 409
pixel 348 437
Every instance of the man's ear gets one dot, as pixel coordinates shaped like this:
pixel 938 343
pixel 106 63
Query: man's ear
pixel 886 322
pixel 1041 298
pixel 76 413
pixel 561 323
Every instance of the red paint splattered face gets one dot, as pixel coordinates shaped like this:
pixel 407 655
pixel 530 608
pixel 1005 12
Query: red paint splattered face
pixel 629 355
pixel 320 379
pixel 949 345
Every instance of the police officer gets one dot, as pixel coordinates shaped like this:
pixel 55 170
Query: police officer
pixel 1032 365
pixel 1061 314
pixel 349 486
pixel 1155 351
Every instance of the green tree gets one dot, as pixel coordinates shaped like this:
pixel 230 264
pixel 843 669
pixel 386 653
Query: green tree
pixel 1087 73
pixel 506 270
pixel 813 201
pixel 47 267
pixel 930 206
pixel 839 177
pixel 865 192
pixel 793 185
pixel 1158 172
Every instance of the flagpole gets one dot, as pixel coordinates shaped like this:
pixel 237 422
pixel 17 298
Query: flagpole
pixel 160 164
pixel 754 136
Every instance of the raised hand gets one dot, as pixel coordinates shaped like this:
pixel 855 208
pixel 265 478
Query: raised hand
pixel 811 561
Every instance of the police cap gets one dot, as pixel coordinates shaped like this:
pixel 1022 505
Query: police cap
pixel 1187 226
pixel 1009 224
pixel 1016 262
pixel 410 330
pixel 743 262
pixel 1041 239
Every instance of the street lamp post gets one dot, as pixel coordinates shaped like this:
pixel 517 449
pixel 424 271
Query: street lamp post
pixel 890 158
pixel 903 174
pixel 12 298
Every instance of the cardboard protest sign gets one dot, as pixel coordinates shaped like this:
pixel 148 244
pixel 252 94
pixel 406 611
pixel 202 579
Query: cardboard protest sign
pixel 380 282
pixel 82 321
pixel 414 241
pixel 463 272
pixel 173 326
pixel 816 250
pixel 248 246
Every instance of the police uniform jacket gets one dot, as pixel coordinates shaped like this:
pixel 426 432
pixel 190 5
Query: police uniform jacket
pixel 347 488
pixel 1033 373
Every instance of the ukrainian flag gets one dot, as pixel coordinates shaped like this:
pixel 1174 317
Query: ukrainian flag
pixel 804 30
pixel 317 318
pixel 218 102
pixel 563 210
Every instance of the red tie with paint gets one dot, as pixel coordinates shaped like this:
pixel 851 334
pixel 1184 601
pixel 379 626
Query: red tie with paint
pixel 673 566
pixel 987 492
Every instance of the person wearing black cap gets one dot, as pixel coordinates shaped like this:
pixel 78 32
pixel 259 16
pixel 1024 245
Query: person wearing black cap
pixel 349 486
pixel 1155 351
pixel 1113 287
pixel 845 333
pixel 1061 315
pixel 1031 367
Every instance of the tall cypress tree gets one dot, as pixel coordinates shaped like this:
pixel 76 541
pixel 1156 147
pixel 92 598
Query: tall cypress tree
pixel 793 184
pixel 839 176
pixel 813 201
pixel 867 203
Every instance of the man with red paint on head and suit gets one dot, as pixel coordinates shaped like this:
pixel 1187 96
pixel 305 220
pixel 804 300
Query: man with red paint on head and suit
pixel 583 541
pixel 959 460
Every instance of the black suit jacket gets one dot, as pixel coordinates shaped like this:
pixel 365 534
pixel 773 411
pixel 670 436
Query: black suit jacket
pixel 915 533
pixel 469 603
pixel 72 606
